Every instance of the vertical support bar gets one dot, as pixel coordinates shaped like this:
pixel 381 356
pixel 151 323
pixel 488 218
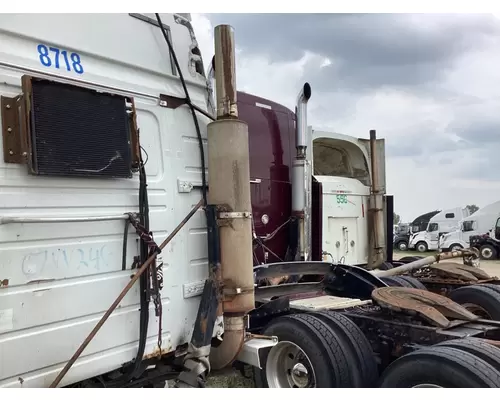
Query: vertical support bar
pixel 376 207
pixel 389 206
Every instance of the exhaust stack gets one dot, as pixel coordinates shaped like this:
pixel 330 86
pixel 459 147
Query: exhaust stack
pixel 229 183
pixel 301 115
pixel 300 175
pixel 376 208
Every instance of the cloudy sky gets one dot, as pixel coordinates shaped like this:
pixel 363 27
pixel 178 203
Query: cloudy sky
pixel 429 84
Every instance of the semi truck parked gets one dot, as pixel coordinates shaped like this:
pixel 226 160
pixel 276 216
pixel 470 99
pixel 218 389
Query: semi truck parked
pixel 488 243
pixel 476 224
pixel 440 224
pixel 145 239
pixel 402 237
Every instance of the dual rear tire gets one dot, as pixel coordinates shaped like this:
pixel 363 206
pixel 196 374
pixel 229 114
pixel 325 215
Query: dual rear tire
pixel 459 363
pixel 317 350
pixel 482 300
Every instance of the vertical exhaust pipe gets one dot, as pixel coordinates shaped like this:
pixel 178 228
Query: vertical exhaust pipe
pixel 300 174
pixel 229 183
pixel 376 207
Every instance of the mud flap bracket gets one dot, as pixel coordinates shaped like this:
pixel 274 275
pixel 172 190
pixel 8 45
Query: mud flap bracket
pixel 255 349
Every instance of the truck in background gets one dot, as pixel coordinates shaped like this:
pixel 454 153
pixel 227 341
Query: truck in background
pixel 488 243
pixel 405 230
pixel 477 223
pixel 443 222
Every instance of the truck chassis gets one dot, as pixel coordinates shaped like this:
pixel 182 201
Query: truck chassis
pixel 350 302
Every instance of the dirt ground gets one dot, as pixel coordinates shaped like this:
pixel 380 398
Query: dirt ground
pixel 233 379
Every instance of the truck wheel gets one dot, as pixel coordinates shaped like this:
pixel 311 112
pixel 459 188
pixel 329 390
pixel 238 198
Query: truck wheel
pixel 403 281
pixel 421 247
pixel 364 370
pixel 402 246
pixel 456 247
pixel 495 288
pixel 440 367
pixel 488 252
pixel 409 259
pixel 385 266
pixel 476 347
pixel 413 282
pixel 308 355
pixel 478 299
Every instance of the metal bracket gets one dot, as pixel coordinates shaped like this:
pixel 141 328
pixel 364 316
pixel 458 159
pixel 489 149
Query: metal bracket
pixel 255 349
pixel 188 186
pixel 13 151
pixel 234 215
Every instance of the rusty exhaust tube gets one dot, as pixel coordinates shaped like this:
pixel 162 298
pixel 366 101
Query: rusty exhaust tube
pixel 225 73
pixel 229 183
pixel 420 263
pixel 376 208
pixel 120 297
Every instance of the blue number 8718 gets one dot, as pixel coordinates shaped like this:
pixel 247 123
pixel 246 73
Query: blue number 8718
pixel 73 62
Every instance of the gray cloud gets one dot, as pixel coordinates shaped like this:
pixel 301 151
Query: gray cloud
pixel 425 82
pixel 367 51
pixel 478 130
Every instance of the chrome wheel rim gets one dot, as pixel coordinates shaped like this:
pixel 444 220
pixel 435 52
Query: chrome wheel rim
pixel 402 246
pixel 287 366
pixel 486 253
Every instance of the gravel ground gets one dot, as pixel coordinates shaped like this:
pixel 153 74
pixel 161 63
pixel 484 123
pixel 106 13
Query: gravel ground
pixel 231 379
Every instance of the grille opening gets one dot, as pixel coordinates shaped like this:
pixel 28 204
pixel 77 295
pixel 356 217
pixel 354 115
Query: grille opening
pixel 79 132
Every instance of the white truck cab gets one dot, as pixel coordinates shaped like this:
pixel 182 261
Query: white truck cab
pixel 442 223
pixel 476 224
pixel 58 276
pixel 341 164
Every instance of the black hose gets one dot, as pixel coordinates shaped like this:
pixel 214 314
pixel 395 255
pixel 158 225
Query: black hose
pixel 143 280
pixel 125 244
pixel 191 106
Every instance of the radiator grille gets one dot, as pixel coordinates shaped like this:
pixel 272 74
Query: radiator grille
pixel 79 132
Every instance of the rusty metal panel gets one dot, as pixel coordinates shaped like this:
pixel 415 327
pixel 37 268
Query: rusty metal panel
pixel 429 306
pixel 12 146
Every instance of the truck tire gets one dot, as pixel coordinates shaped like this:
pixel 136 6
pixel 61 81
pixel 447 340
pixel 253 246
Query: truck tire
pixel 394 281
pixel 409 259
pixel 364 370
pixel 488 252
pixel 403 281
pixel 402 245
pixel 421 247
pixel 443 367
pixel 456 247
pixel 413 282
pixel 308 354
pixel 477 347
pixel 495 288
pixel 385 266
pixel 478 299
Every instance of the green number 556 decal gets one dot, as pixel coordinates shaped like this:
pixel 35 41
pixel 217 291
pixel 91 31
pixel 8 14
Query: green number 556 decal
pixel 341 199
